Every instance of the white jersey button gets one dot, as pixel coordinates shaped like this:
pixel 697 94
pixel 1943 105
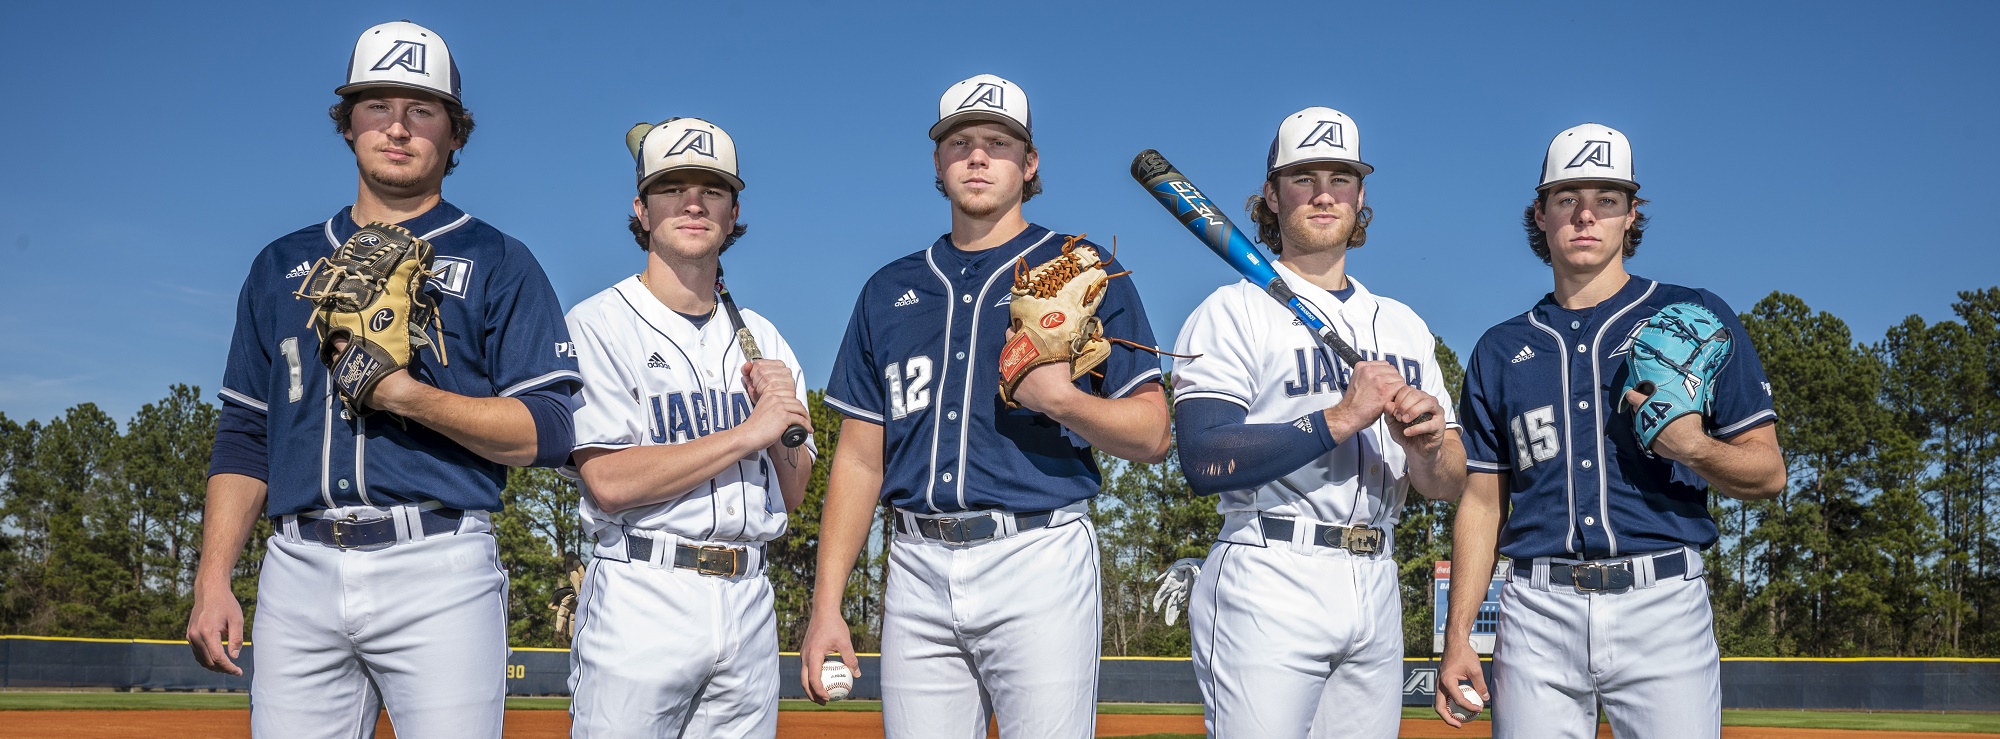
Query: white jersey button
pixel 1581 349
pixel 947 477
pixel 951 415
pixel 1576 324
pixel 342 483
pixel 730 510
pixel 968 298
pixel 1586 464
pixel 1588 521
pixel 1583 405
pixel 961 355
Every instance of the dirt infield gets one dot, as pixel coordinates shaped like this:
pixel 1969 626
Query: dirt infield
pixel 235 724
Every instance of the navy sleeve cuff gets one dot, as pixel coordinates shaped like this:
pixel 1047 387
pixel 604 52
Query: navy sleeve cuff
pixel 241 446
pixel 555 428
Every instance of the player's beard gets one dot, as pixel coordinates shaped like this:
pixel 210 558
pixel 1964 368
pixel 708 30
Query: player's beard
pixel 1302 236
pixel 396 178
pixel 987 204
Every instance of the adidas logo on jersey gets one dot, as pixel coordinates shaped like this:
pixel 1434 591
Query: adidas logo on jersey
pixel 299 271
pixel 909 298
pixel 656 361
pixel 1525 355
pixel 1304 424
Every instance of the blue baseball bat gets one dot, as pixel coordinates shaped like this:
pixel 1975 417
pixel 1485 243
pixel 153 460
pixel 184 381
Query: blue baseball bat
pixel 1206 221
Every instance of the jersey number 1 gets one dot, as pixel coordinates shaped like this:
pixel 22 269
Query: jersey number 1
pixel 916 396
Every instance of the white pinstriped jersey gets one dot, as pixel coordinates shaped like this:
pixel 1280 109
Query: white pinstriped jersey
pixel 651 378
pixel 1256 354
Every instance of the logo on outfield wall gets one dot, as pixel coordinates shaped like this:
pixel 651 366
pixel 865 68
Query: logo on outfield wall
pixel 1422 681
pixel 1327 133
pixel 406 54
pixel 1594 152
pixel 987 95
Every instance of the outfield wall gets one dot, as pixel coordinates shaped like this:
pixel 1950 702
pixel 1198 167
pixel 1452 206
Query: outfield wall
pixel 1833 684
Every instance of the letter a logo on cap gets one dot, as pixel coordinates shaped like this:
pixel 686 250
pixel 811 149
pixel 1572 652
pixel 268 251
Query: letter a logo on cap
pixel 695 141
pixel 406 54
pixel 1593 153
pixel 1326 133
pixel 987 94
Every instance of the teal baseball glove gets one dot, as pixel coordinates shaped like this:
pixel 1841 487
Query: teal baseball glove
pixel 1675 358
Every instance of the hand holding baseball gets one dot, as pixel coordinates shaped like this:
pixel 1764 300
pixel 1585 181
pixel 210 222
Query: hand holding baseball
pixel 835 678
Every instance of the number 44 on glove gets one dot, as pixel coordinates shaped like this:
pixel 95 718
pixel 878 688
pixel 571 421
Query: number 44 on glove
pixel 1675 358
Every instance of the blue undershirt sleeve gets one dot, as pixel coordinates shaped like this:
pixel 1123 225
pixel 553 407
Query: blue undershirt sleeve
pixel 555 428
pixel 1220 452
pixel 241 444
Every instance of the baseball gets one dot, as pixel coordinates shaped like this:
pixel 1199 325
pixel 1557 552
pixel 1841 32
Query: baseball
pixel 1467 706
pixel 833 675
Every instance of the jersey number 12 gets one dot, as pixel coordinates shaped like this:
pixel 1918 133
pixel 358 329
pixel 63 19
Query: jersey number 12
pixel 916 395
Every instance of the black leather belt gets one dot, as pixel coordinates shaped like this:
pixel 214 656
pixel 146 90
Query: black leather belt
pixel 1607 576
pixel 1356 539
pixel 709 560
pixel 354 533
pixel 972 526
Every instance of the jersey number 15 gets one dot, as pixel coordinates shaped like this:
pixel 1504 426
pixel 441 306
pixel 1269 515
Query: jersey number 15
pixel 1539 443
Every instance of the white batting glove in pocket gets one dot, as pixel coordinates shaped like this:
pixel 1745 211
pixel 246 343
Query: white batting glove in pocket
pixel 1175 584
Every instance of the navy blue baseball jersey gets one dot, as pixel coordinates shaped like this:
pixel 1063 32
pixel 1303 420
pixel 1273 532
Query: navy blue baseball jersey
pixel 1541 402
pixel 922 359
pixel 504 336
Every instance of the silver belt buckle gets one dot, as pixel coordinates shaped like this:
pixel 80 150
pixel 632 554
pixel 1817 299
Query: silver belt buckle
pixel 1601 577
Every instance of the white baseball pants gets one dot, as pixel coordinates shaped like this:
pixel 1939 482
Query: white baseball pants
pixel 668 653
pixel 1007 626
pixel 419 627
pixel 1648 654
pixel 1297 641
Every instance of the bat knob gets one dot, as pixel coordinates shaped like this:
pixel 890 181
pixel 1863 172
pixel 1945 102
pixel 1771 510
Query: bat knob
pixel 794 436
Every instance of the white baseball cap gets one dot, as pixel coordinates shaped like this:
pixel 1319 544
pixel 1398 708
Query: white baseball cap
pixel 1591 151
pixel 984 98
pixel 682 143
pixel 1316 134
pixel 401 54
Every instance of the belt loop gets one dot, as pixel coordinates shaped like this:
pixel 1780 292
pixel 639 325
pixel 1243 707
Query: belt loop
pixel 289 528
pixel 1694 563
pixel 664 547
pixel 1642 572
pixel 408 528
pixel 1539 578
pixel 1006 526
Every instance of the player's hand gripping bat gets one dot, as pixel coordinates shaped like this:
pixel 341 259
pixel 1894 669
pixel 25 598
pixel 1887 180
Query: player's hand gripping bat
pixel 795 435
pixel 1207 222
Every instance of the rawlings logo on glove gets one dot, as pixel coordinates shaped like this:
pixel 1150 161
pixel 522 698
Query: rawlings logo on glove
pixel 1054 312
pixel 370 294
pixel 1675 357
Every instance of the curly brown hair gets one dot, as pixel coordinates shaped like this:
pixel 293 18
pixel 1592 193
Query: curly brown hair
pixel 1538 242
pixel 1270 234
pixel 342 114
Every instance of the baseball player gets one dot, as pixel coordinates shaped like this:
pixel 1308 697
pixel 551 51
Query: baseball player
pixel 1297 616
pixel 992 602
pixel 382 586
pixel 684 474
pixel 1602 518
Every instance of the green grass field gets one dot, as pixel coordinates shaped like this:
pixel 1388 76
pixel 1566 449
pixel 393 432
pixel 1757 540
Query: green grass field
pixel 1981 723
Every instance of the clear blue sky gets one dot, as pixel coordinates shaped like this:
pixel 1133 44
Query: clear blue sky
pixel 1839 151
